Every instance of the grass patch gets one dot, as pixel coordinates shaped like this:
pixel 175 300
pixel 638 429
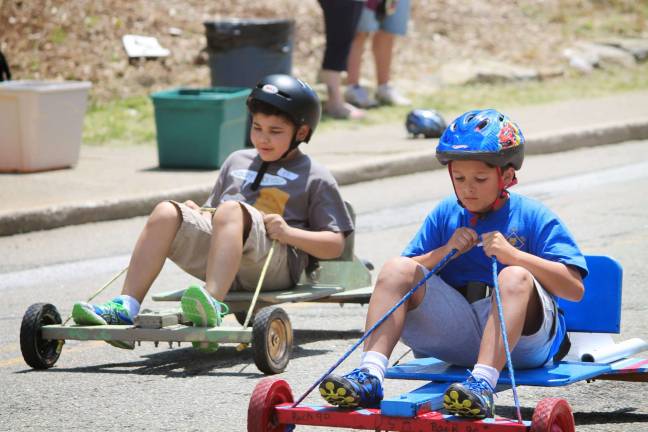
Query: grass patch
pixel 130 121
pixel 121 122
pixel 58 36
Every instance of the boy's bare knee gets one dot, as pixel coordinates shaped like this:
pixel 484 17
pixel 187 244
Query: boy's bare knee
pixel 399 271
pixel 227 212
pixel 401 265
pixel 165 212
pixel 516 281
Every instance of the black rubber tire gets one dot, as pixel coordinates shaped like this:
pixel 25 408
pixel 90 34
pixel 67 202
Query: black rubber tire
pixel 272 340
pixel 37 352
pixel 240 317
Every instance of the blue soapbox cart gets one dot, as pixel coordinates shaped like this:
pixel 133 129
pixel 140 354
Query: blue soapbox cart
pixel 271 405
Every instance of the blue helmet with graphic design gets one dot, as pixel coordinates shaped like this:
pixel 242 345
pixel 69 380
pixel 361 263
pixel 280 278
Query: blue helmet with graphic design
pixel 485 135
pixel 428 123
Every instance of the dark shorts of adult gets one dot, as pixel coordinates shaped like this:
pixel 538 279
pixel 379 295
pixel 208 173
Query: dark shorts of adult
pixel 340 21
pixel 5 75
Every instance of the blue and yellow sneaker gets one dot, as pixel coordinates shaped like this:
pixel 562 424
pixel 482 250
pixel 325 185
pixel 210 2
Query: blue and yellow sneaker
pixel 471 398
pixel 357 388
pixel 110 313
pixel 199 307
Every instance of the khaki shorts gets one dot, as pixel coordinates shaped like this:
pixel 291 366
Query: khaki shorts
pixel 190 249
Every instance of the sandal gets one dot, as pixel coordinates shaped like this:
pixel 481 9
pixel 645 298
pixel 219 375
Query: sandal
pixel 345 112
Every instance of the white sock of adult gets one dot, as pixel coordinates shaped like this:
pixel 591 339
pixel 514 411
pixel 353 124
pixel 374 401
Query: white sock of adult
pixel 375 362
pixel 488 373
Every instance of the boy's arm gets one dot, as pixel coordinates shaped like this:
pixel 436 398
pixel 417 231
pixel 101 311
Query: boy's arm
pixel 320 244
pixel 557 278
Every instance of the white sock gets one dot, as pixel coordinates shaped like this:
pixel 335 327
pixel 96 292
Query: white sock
pixel 131 304
pixel 488 373
pixel 217 306
pixel 215 302
pixel 375 362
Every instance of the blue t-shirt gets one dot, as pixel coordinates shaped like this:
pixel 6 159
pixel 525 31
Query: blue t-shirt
pixel 527 224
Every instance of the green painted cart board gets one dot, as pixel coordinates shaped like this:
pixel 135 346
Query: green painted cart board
pixel 346 279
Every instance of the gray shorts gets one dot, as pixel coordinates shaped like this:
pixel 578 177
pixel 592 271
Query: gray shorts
pixel 395 23
pixel 190 249
pixel 449 328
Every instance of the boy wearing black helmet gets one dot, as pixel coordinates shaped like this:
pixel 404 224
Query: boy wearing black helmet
pixel 454 317
pixel 271 192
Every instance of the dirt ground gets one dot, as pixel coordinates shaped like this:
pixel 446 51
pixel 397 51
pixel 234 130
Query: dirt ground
pixel 58 39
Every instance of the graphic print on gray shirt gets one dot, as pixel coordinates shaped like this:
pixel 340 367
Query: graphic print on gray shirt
pixel 302 191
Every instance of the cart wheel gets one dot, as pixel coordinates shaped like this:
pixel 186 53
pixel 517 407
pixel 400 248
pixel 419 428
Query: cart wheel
pixel 272 340
pixel 269 392
pixel 240 317
pixel 37 352
pixel 553 415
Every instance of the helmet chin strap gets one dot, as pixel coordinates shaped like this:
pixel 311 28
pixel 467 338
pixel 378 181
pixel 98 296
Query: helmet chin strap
pixel 502 195
pixel 264 165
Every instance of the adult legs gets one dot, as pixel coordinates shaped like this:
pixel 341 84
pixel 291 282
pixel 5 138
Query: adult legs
pixel 355 93
pixel 340 21
pixel 382 46
pixel 355 58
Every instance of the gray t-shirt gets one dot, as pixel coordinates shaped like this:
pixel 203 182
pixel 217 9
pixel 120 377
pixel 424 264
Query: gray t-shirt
pixel 302 191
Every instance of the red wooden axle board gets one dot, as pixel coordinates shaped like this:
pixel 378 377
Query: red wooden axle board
pixel 372 419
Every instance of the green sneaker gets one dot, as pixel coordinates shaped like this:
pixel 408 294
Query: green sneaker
pixel 129 345
pixel 199 307
pixel 112 312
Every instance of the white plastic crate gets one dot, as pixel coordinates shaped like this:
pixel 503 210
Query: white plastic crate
pixel 41 124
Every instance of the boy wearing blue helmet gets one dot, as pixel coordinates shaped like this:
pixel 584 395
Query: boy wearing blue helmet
pixel 454 317
pixel 271 192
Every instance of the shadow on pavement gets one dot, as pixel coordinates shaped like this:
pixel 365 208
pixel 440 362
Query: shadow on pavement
pixel 185 362
pixel 307 336
pixel 623 415
pixel 620 416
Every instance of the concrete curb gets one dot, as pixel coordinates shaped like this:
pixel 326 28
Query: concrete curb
pixel 411 162
pixel 554 142
pixel 94 211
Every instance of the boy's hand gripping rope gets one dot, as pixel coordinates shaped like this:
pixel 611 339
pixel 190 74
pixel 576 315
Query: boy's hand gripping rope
pixel 409 294
pixel 509 363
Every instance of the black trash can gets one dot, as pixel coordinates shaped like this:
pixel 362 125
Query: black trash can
pixel 242 51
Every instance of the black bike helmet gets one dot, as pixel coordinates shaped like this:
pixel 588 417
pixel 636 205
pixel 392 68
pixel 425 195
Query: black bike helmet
pixel 295 99
pixel 291 96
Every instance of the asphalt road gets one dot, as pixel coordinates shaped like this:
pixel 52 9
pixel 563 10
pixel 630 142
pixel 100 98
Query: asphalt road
pixel 600 193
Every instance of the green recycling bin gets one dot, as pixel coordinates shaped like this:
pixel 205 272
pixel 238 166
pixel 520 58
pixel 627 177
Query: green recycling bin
pixel 199 128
